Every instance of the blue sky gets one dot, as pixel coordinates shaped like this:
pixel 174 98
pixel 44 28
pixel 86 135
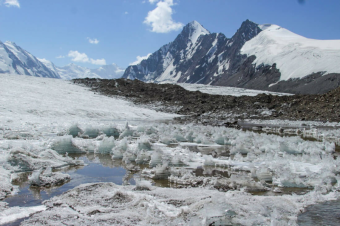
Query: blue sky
pixel 90 33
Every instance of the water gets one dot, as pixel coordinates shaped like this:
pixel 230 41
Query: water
pixel 327 213
pixel 99 168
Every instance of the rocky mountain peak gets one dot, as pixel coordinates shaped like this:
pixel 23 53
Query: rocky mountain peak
pixel 247 31
pixel 194 56
pixel 192 31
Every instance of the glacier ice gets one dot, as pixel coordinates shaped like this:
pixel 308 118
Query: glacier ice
pixel 232 161
pixel 47 178
pixel 106 145
pixel 65 144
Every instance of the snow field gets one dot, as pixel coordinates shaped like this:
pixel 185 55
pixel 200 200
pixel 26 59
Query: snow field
pixel 295 56
pixel 42 120
pixel 30 103
pixel 257 162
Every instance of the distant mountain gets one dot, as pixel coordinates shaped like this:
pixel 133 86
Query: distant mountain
pixel 15 60
pixel 72 71
pixel 265 57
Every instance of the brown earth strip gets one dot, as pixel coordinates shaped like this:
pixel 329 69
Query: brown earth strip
pixel 218 109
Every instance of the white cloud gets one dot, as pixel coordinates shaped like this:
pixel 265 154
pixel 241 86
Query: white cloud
pixel 10 3
pixel 98 61
pixel 153 1
pixel 160 19
pixel 140 58
pixel 78 57
pixel 126 13
pixel 82 57
pixel 93 41
pixel 59 57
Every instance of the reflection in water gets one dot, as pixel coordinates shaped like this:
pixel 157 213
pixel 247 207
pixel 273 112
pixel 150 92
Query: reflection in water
pixel 99 168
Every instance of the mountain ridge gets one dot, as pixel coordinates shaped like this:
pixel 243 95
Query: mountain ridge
pixel 266 57
pixel 190 57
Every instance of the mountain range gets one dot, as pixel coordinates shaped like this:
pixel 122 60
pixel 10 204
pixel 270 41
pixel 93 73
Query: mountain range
pixel 73 71
pixel 15 60
pixel 266 57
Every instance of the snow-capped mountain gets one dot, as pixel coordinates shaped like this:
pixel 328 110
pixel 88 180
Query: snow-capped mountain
pixel 73 71
pixel 110 71
pixel 15 60
pixel 264 57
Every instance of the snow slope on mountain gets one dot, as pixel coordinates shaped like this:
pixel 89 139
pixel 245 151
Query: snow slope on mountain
pixel 5 61
pixel 196 30
pixel 16 60
pixel 49 65
pixel 295 56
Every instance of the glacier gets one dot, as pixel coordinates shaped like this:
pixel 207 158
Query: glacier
pixel 214 174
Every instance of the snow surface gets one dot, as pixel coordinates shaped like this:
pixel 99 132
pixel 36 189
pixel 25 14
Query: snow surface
pixel 47 102
pixel 121 205
pixel 49 65
pixel 34 110
pixel 11 214
pixel 223 90
pixel 295 56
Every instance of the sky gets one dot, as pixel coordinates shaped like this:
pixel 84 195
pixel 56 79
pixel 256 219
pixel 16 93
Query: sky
pixel 91 33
